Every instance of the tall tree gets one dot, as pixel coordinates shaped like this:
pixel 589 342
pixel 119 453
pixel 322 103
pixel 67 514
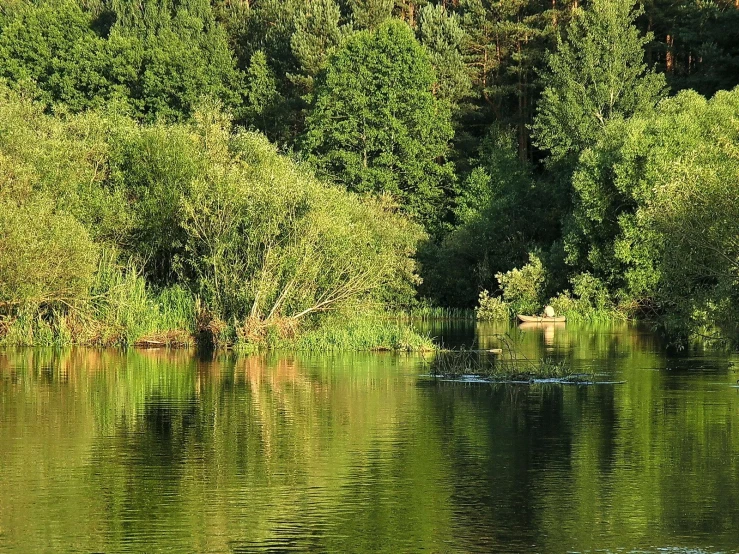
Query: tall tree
pixel 375 125
pixel 597 74
pixel 159 57
pixel 317 34
pixel 185 55
pixel 506 43
pixel 440 31
pixel 696 44
pixel 657 207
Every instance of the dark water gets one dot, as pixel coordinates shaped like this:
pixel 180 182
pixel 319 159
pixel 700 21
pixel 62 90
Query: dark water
pixel 152 451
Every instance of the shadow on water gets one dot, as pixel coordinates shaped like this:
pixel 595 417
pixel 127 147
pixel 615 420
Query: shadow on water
pixel 155 450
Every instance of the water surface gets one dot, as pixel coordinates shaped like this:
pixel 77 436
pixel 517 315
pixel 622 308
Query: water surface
pixel 165 451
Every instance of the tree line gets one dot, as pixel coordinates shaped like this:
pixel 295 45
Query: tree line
pixel 507 153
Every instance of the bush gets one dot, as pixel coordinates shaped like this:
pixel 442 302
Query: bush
pixel 523 288
pixel 45 257
pixel 492 308
pixel 65 159
pixel 264 239
pixel 589 299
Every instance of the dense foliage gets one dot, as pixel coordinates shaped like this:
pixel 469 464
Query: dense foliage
pixel 668 184
pixel 272 160
pixel 376 126
pixel 106 221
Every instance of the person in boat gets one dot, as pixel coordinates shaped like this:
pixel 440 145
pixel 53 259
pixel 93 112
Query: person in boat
pixel 549 312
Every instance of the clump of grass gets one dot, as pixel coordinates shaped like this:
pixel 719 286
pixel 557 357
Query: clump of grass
pixel 425 312
pixel 504 364
pixel 120 310
pixel 361 333
pixel 455 364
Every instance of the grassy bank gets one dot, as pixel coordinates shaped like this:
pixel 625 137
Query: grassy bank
pixel 362 334
pixel 130 315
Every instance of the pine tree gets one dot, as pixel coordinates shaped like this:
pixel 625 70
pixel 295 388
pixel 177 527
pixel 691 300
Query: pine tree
pixel 262 99
pixel 696 44
pixel 441 33
pixel 317 34
pixel 368 14
pixel 506 45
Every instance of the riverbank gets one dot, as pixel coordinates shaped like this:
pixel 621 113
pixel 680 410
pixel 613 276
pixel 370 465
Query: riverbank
pixel 193 327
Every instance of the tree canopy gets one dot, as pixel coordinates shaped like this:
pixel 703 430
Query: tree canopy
pixel 376 126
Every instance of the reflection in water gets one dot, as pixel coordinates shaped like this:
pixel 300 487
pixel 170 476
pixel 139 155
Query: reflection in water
pixel 163 451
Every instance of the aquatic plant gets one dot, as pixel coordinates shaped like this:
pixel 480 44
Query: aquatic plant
pixel 502 364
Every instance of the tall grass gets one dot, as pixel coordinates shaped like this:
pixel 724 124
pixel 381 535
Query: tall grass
pixel 362 332
pixel 426 313
pixel 121 309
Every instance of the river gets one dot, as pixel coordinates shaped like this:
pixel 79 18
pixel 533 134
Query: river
pixel 158 451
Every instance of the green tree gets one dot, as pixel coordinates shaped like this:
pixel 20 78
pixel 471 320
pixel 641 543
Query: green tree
pixel 505 47
pixel 266 240
pixel 317 35
pixel 657 211
pixel 369 14
pixel 597 74
pixel 260 34
pixel 53 46
pixel 696 44
pixel 158 58
pixel 185 56
pixel 441 33
pixel 262 98
pixel 503 214
pixel 375 125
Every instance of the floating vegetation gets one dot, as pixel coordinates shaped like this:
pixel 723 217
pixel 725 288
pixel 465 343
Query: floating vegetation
pixel 505 364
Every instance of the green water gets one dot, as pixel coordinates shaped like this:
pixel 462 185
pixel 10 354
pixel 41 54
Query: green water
pixel 152 451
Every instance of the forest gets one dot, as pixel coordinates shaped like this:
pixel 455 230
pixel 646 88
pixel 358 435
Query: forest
pixel 300 172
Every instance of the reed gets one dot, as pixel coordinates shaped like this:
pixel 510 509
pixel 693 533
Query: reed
pixel 362 333
pixel 504 364
pixel 426 313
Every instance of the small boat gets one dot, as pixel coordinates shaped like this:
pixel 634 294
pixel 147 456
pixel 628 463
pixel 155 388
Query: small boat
pixel 540 319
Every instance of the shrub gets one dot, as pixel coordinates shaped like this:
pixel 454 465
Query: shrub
pixel 264 239
pixel 45 256
pixel 589 299
pixel 65 159
pixel 523 288
pixel 492 308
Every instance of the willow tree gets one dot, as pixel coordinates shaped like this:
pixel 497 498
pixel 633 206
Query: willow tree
pixel 266 241
pixel 376 126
